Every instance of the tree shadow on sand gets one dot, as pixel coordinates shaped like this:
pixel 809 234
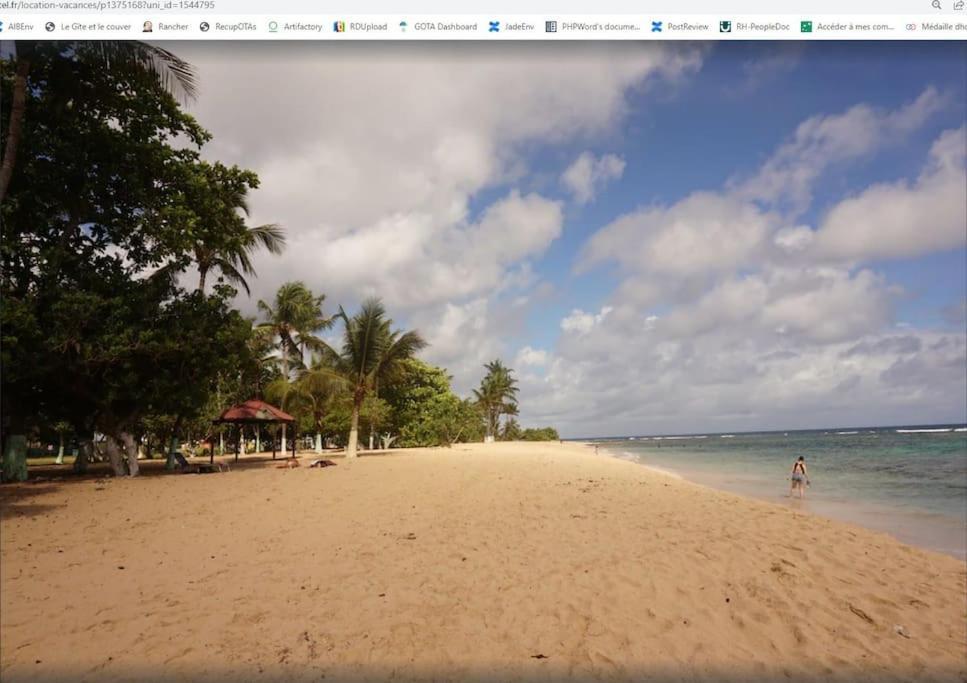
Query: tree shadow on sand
pixel 15 500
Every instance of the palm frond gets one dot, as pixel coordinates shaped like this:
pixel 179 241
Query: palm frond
pixel 269 236
pixel 175 74
pixel 231 274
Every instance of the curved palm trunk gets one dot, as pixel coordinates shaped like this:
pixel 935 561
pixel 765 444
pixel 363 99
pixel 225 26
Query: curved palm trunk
pixel 18 109
pixel 60 450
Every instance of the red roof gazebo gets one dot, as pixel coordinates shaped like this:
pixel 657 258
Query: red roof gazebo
pixel 254 412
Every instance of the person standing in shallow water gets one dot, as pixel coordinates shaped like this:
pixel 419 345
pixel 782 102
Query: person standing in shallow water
pixel 800 479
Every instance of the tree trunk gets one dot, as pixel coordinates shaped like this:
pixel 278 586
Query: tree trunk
pixel 202 276
pixel 84 448
pixel 60 450
pixel 258 440
pixel 173 447
pixel 18 109
pixel 283 438
pixel 114 455
pixel 353 431
pixel 15 458
pixel 370 438
pixel 318 442
pixel 131 450
pixel 221 442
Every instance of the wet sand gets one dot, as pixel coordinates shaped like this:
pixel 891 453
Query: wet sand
pixel 498 562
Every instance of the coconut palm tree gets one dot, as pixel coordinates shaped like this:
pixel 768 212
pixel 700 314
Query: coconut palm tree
pixel 175 75
pixel 293 318
pixel 233 260
pixel 372 352
pixel 496 396
pixel 228 243
pixel 314 392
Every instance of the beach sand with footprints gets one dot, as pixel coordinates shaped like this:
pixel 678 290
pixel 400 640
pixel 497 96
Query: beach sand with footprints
pixel 481 562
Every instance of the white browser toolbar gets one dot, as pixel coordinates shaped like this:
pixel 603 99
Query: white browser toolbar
pixel 160 26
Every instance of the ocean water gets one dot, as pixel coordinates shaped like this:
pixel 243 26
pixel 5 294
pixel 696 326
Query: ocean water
pixel 910 482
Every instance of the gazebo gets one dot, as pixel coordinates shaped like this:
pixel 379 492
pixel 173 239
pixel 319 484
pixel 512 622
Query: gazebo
pixel 254 412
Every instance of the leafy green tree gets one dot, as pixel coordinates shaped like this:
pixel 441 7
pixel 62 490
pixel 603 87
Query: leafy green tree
pixel 171 73
pixel 372 352
pixel 425 411
pixel 95 330
pixel 542 434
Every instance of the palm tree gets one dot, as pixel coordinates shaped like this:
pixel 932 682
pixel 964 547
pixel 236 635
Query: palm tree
pixel 497 395
pixel 230 243
pixel 372 352
pixel 263 364
pixel 234 261
pixel 294 317
pixel 175 75
pixel 511 430
pixel 314 392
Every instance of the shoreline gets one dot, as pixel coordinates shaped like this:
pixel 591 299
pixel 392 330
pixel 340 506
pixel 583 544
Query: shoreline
pixel 912 526
pixel 458 564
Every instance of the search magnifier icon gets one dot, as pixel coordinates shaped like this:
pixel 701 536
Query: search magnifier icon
pixel 935 4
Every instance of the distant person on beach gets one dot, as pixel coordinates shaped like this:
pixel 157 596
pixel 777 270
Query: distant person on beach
pixel 800 479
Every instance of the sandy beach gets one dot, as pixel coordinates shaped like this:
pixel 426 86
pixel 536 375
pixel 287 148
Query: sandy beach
pixel 481 562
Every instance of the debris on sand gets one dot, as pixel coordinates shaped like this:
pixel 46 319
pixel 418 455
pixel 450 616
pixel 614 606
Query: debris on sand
pixel 861 614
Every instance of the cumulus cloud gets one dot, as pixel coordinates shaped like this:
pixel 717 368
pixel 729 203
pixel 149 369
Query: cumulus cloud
pixel 732 313
pixel 371 156
pixel 530 357
pixel 904 219
pixel 398 171
pixel 588 174
pixel 403 171
pixel 743 374
pixel 581 322
pixel 704 232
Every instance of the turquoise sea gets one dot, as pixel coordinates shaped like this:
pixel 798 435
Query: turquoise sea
pixel 908 481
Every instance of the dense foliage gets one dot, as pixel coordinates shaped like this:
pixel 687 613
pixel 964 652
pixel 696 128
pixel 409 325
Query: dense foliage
pixel 107 208
pixel 103 211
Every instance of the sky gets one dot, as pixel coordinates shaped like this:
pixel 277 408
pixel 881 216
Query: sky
pixel 658 238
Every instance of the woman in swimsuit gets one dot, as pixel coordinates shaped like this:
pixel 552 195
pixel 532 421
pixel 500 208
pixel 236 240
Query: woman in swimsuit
pixel 799 477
